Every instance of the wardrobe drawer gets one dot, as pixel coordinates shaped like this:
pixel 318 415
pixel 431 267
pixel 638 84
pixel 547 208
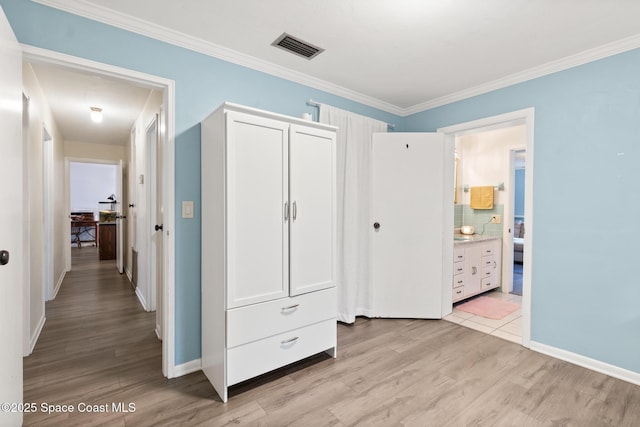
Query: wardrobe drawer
pixel 458 280
pixel 458 255
pixel 458 293
pixel 458 268
pixel 257 321
pixel 256 358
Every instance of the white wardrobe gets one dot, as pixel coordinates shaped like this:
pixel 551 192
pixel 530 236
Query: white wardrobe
pixel 268 242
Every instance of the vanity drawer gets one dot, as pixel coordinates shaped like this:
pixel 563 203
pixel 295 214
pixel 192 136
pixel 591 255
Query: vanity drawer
pixel 487 272
pixel 458 280
pixel 487 250
pixel 257 321
pixel 488 283
pixel 488 261
pixel 458 268
pixel 458 293
pixel 256 358
pixel 458 255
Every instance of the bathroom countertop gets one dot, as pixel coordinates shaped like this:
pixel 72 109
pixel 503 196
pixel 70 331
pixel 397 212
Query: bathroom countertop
pixel 466 238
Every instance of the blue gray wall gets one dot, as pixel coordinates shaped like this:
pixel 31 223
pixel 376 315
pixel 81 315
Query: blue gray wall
pixel 518 202
pixel 585 292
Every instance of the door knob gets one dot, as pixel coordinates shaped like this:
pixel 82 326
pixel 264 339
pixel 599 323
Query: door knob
pixel 158 227
pixel 4 257
pixel 376 225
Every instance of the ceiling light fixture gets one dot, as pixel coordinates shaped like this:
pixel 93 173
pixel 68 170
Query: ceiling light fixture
pixel 96 114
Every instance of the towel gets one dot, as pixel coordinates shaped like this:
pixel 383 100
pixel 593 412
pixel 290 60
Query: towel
pixel 481 197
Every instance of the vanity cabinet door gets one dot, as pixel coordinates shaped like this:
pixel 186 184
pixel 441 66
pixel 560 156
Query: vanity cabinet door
pixel 473 268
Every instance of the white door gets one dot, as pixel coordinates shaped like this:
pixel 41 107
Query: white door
pixel 312 186
pixel 257 209
pixel 11 221
pixel 408 212
pixel 120 217
pixel 159 241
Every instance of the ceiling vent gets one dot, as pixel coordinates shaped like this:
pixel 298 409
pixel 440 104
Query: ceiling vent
pixel 297 46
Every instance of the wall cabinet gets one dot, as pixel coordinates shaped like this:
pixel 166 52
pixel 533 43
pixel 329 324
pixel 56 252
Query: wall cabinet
pixel 476 267
pixel 268 242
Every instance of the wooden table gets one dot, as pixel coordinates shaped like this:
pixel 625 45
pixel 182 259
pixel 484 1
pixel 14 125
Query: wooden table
pixel 84 231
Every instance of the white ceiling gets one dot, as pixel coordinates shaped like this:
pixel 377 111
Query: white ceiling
pixel 71 93
pixel 401 56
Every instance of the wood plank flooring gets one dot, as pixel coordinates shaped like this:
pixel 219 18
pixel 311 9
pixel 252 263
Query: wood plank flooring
pixel 98 347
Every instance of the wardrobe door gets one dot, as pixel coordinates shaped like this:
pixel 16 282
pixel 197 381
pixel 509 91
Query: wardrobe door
pixel 257 217
pixel 312 184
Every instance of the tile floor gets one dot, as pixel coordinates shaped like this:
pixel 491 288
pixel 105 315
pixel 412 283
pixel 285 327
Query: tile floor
pixel 508 328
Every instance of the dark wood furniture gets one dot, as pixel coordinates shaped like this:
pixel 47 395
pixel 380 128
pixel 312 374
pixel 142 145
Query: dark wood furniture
pixel 107 239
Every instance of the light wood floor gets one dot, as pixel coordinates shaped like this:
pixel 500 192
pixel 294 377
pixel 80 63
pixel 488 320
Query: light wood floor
pixel 98 347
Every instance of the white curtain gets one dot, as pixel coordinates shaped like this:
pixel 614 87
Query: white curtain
pixel 354 137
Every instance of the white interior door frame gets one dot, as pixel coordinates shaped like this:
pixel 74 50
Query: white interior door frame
pixel 47 193
pixel 167 86
pixel 519 117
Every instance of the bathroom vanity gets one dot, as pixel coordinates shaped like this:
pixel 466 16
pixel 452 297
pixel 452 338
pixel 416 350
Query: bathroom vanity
pixel 476 265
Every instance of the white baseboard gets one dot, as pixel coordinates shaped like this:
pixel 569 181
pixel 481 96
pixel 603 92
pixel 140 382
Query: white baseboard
pixel 187 368
pixel 36 334
pixel 129 276
pixel 586 362
pixel 56 288
pixel 143 302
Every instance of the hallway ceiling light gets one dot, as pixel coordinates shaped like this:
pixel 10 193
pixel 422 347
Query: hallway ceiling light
pixel 96 114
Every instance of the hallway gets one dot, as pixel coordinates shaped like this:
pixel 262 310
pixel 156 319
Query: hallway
pixel 98 347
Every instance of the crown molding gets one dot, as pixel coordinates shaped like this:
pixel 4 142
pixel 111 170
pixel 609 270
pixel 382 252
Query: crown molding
pixel 600 52
pixel 126 22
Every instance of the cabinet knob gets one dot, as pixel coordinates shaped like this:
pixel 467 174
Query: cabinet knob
pixel 376 225
pixel 158 227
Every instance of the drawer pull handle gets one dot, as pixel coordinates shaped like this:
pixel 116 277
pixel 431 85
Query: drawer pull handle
pixel 289 341
pixel 458 292
pixel 291 307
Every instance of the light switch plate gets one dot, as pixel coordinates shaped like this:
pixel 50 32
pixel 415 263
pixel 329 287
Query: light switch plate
pixel 187 209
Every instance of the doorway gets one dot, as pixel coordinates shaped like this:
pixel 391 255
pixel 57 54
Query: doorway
pixel 517 168
pixel 94 195
pixel 517 118
pixel 166 89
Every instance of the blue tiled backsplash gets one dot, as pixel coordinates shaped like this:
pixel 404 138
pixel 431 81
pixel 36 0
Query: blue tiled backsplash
pixel 464 215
